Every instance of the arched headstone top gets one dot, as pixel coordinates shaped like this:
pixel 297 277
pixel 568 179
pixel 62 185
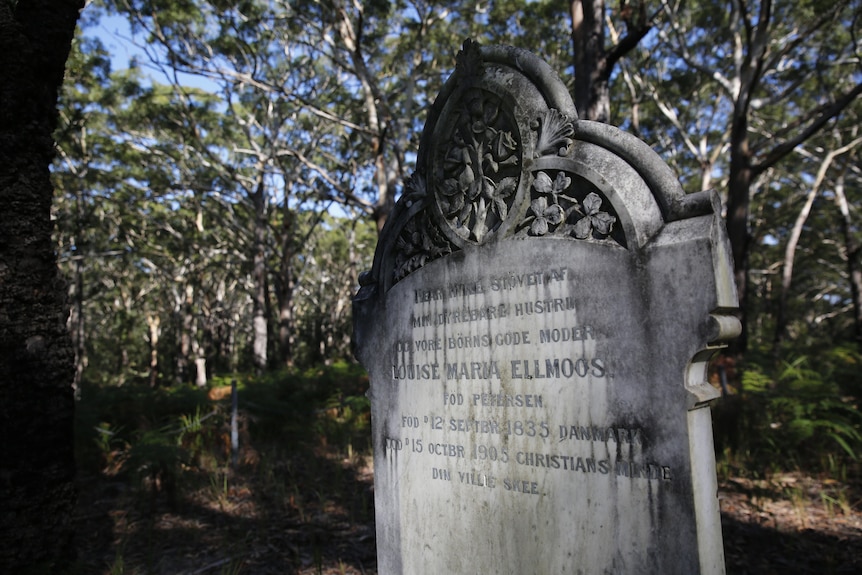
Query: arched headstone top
pixel 504 156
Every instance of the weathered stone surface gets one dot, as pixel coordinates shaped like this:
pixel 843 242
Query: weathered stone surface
pixel 536 326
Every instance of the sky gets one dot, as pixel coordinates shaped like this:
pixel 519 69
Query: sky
pixel 124 46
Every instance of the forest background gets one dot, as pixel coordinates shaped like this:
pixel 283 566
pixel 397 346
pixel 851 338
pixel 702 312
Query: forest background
pixel 218 194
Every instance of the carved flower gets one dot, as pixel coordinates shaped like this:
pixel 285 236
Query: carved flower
pixel 497 194
pixel 457 156
pixel 418 243
pixel 545 215
pixel 502 150
pixel 453 198
pixel 503 146
pixel 474 195
pixel 544 185
pixel 483 113
pixel 594 220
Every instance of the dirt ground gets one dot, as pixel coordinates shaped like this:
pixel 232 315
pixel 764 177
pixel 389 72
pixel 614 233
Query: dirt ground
pixel 248 524
pixel 791 524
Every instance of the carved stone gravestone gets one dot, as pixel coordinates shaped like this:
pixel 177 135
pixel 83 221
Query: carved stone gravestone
pixel 537 324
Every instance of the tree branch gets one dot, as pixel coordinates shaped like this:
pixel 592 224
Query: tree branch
pixel 827 114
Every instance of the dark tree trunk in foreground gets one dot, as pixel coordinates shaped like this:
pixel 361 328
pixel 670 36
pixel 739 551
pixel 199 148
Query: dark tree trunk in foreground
pixel 37 463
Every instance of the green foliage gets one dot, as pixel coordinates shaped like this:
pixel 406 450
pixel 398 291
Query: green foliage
pixel 146 435
pixel 161 439
pixel 799 415
pixel 328 399
pixel 344 421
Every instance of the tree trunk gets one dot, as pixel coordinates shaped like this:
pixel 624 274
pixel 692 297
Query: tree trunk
pixel 285 289
pixel 787 270
pixel 387 172
pixel 77 322
pixel 37 494
pixel 592 98
pixel 854 273
pixel 738 208
pixel 154 331
pixel 259 306
pixel 222 328
pixel 749 52
pixel 185 299
pixel 750 61
pixel 190 348
pixel 593 62
pixel 200 371
pixel 796 232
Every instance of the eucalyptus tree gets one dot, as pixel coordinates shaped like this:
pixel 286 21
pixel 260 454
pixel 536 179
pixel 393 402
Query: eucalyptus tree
pixel 239 53
pixel 141 204
pixel 829 180
pixel 762 77
pixel 848 183
pixel 327 98
pixel 337 247
pixel 81 138
pixel 678 110
pixel 852 249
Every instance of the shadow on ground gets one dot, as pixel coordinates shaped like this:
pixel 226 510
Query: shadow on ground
pixel 788 526
pixel 306 514
pixel 752 549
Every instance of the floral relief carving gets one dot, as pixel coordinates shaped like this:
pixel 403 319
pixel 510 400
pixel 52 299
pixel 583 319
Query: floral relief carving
pixel 559 207
pixel 595 222
pixel 476 181
pixel 544 216
pixel 500 163
pixel 479 171
pixel 556 211
pixel 420 241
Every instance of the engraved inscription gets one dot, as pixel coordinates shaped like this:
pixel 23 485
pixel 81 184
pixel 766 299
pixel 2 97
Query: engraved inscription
pixel 500 355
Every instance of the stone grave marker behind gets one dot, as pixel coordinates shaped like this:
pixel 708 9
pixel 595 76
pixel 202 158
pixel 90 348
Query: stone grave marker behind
pixel 537 325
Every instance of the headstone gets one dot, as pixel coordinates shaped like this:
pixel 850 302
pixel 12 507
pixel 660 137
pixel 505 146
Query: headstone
pixel 536 326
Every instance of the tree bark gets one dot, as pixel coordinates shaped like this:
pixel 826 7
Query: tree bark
pixel 259 304
pixel 154 330
pixel 77 324
pixel 738 210
pixel 37 494
pixel 286 286
pixel 592 98
pixel 750 57
pixel 185 325
pixel 787 270
pixel 387 171
pixel 854 273
pixel 593 62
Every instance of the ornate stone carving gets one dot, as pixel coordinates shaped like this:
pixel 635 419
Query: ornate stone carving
pixel 556 210
pixel 555 132
pixel 419 241
pixel 497 160
pixel 479 172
